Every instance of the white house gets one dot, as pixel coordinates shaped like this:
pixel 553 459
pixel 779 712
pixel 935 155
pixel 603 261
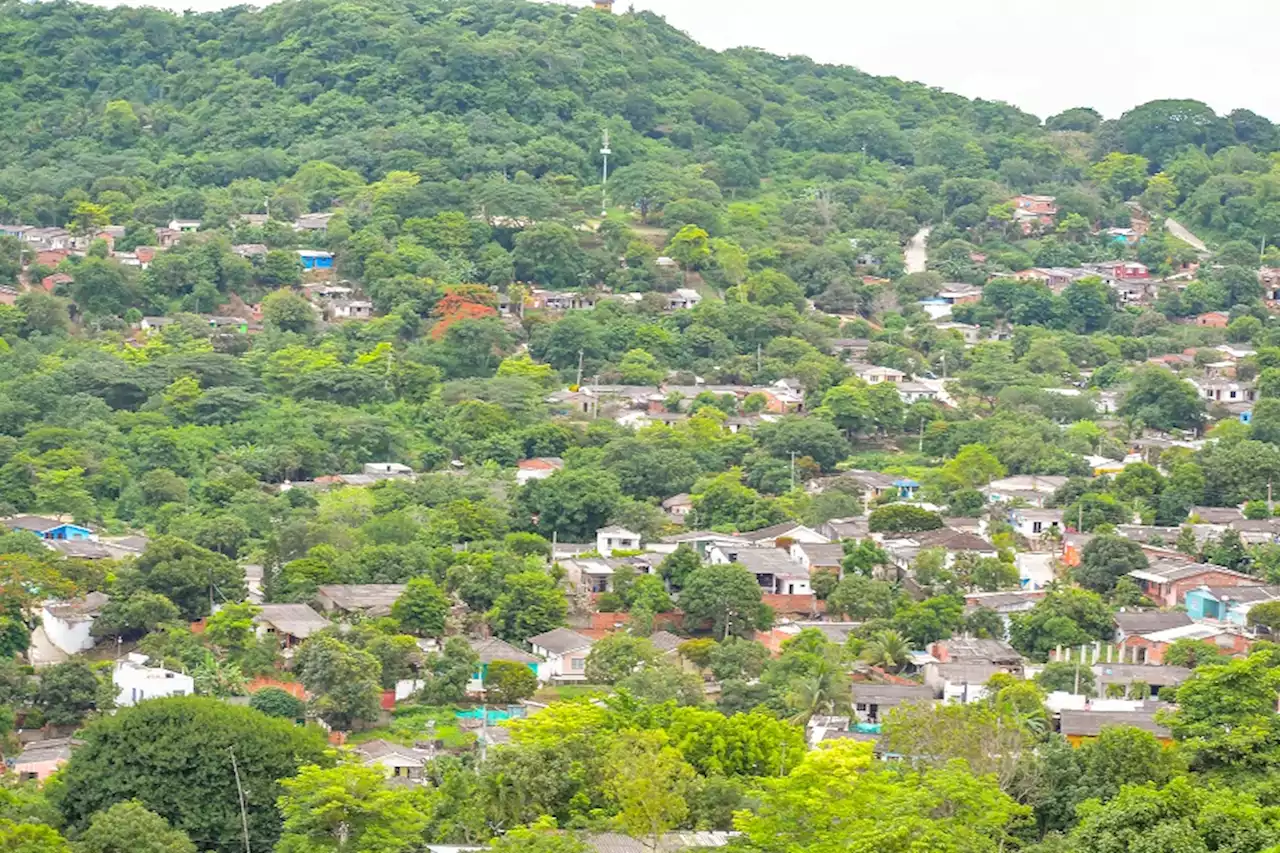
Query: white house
pixel 564 654
pixel 1033 523
pixel 67 623
pixel 683 298
pixel 793 530
pixel 614 538
pixel 678 505
pixel 184 225
pixel 135 681
pixel 875 374
pixel 914 392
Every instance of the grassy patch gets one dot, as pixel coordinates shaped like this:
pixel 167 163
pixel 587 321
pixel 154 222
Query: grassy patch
pixel 410 723
pixel 562 692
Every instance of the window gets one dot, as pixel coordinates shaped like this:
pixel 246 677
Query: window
pixel 1036 527
pixel 578 664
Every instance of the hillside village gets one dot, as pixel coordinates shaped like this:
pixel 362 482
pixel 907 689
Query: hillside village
pixel 518 428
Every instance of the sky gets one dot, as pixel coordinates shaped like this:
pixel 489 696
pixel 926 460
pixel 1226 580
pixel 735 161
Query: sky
pixel 1044 56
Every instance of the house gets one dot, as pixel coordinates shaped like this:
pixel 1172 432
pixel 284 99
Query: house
pixel 1080 726
pixel 348 309
pixel 135 681
pixel 587 575
pixel 1213 320
pixel 67 624
pixel 683 299
pixel 1151 648
pixel 850 347
pixel 1041 208
pixel 972 334
pixel 1133 622
pixel 874 374
pixel 872 701
pixel 1221 516
pixel 1167 581
pixel 290 624
pixel 678 506
pixel 1228 604
pixel 564 655
pixel 775 571
pixel 914 392
pixel 366 599
pixel 254 220
pixel 959 293
pixel 490 649
pixel 903 548
pixel 1224 391
pixel 818 555
pixel 400 763
pixel 50 282
pixel 41 759
pixel 50 239
pixel 1113 272
pixel 1033 489
pixel 250 250
pixel 555 300
pixel 538 468
pixel 668 842
pixel 1158 678
pixel 666 642
pixel 315 260
pixel 1032 523
pixel 184 226
pixel 871 484
pixel 614 538
pixel 960 667
pixel 790 530
pixel 1003 603
pixel 48 528
pixel 700 541
pixel 314 222
pixel 838 529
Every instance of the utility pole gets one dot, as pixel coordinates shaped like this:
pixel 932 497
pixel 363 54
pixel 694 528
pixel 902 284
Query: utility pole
pixel 758 352
pixel 921 448
pixel 244 814
pixel 579 382
pixel 793 469
pixel 604 179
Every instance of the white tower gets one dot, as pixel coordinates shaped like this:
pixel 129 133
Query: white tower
pixel 604 180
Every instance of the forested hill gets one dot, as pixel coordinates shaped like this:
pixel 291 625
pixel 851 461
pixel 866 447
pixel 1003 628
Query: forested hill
pixel 164 109
pixel 382 84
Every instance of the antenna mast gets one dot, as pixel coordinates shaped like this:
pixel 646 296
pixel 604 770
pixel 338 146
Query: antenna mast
pixel 604 180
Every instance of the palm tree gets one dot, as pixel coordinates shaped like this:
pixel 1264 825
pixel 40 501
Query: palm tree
pixel 824 691
pixel 888 650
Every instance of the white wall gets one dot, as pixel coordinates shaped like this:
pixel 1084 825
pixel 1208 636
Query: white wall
pixel 70 637
pixel 135 683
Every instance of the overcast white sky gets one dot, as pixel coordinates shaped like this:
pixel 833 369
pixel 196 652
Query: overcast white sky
pixel 1042 55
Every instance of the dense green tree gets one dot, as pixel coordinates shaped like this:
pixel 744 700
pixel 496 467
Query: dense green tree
pixel 135 753
pixel 529 604
pixel 422 608
pixel 348 808
pixel 129 827
pixel 729 597
pixel 1106 559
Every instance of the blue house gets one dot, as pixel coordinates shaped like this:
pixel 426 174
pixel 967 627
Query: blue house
pixel 48 528
pixel 1227 603
pixel 313 260
pixel 906 488
pixel 491 649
